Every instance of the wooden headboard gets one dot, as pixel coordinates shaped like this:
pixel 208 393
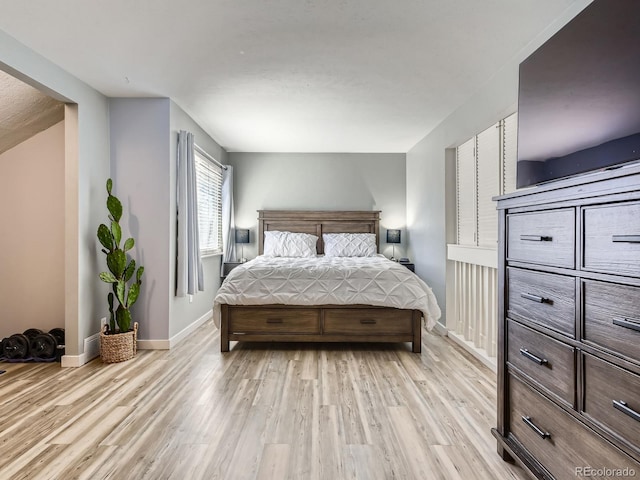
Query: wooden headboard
pixel 317 223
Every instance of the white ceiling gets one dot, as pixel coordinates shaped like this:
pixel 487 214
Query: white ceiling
pixel 288 75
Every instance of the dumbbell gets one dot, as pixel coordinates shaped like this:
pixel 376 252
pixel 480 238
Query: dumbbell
pixel 32 332
pixel 45 346
pixel 15 347
pixel 58 333
pixel 33 342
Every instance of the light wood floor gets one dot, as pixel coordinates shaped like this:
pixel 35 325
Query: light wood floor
pixel 268 412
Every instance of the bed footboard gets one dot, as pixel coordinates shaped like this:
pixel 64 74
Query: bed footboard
pixel 324 323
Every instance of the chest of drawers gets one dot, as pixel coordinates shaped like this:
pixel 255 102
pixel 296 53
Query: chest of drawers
pixel 569 327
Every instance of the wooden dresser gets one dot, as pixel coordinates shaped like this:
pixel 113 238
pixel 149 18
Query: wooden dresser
pixel 569 327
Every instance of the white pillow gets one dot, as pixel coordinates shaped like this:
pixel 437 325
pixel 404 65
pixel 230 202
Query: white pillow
pixel 289 244
pixel 349 244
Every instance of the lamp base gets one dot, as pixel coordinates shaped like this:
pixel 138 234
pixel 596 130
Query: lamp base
pixel 242 259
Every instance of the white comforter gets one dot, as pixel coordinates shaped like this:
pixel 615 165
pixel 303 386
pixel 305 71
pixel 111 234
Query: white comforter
pixel 327 281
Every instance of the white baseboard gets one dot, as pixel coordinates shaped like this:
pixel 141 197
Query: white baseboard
pixel 481 355
pixel 440 329
pixel 92 344
pixel 77 360
pixel 91 351
pixel 177 338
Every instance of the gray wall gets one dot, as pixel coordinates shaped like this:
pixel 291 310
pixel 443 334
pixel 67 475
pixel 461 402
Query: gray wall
pixel 429 178
pixel 182 312
pixel 332 181
pixel 320 181
pixel 143 167
pixel 140 172
pixel 83 294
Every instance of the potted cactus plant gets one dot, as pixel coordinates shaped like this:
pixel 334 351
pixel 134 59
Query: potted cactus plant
pixel 118 339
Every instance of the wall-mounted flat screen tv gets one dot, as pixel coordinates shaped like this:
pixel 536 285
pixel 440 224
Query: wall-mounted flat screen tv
pixel 579 96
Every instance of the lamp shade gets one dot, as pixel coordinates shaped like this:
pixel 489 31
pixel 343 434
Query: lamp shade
pixel 242 235
pixel 393 236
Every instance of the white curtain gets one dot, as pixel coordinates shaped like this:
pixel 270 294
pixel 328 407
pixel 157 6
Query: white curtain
pixel 189 274
pixel 228 219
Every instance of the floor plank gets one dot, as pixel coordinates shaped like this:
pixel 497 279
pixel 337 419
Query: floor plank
pixel 260 411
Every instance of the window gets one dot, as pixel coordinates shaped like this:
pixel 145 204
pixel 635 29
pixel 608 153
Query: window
pixel 209 183
pixel 485 167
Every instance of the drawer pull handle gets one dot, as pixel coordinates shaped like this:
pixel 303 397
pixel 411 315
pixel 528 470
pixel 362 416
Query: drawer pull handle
pixel 368 321
pixel 274 320
pixel 534 298
pixel 535 238
pixel 544 435
pixel 526 353
pixel 622 406
pixel 626 238
pixel 626 323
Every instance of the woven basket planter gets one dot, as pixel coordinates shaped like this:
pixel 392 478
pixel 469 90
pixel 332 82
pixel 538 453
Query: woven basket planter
pixel 119 347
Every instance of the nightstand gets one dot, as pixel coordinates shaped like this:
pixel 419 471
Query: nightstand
pixel 410 266
pixel 228 266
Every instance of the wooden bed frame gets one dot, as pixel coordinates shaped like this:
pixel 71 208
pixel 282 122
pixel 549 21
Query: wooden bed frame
pixel 319 323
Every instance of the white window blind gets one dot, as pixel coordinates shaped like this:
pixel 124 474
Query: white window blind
pixel 488 185
pixel 509 152
pixel 466 192
pixel 209 183
pixel 485 168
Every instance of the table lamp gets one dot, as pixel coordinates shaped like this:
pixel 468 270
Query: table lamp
pixel 393 237
pixel 242 237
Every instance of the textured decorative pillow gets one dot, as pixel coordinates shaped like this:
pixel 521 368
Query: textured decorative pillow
pixel 349 244
pixel 289 244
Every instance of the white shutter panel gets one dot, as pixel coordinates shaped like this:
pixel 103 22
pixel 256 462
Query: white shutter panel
pixel 509 152
pixel 466 192
pixel 488 167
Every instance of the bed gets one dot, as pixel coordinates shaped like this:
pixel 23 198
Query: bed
pixel 322 299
